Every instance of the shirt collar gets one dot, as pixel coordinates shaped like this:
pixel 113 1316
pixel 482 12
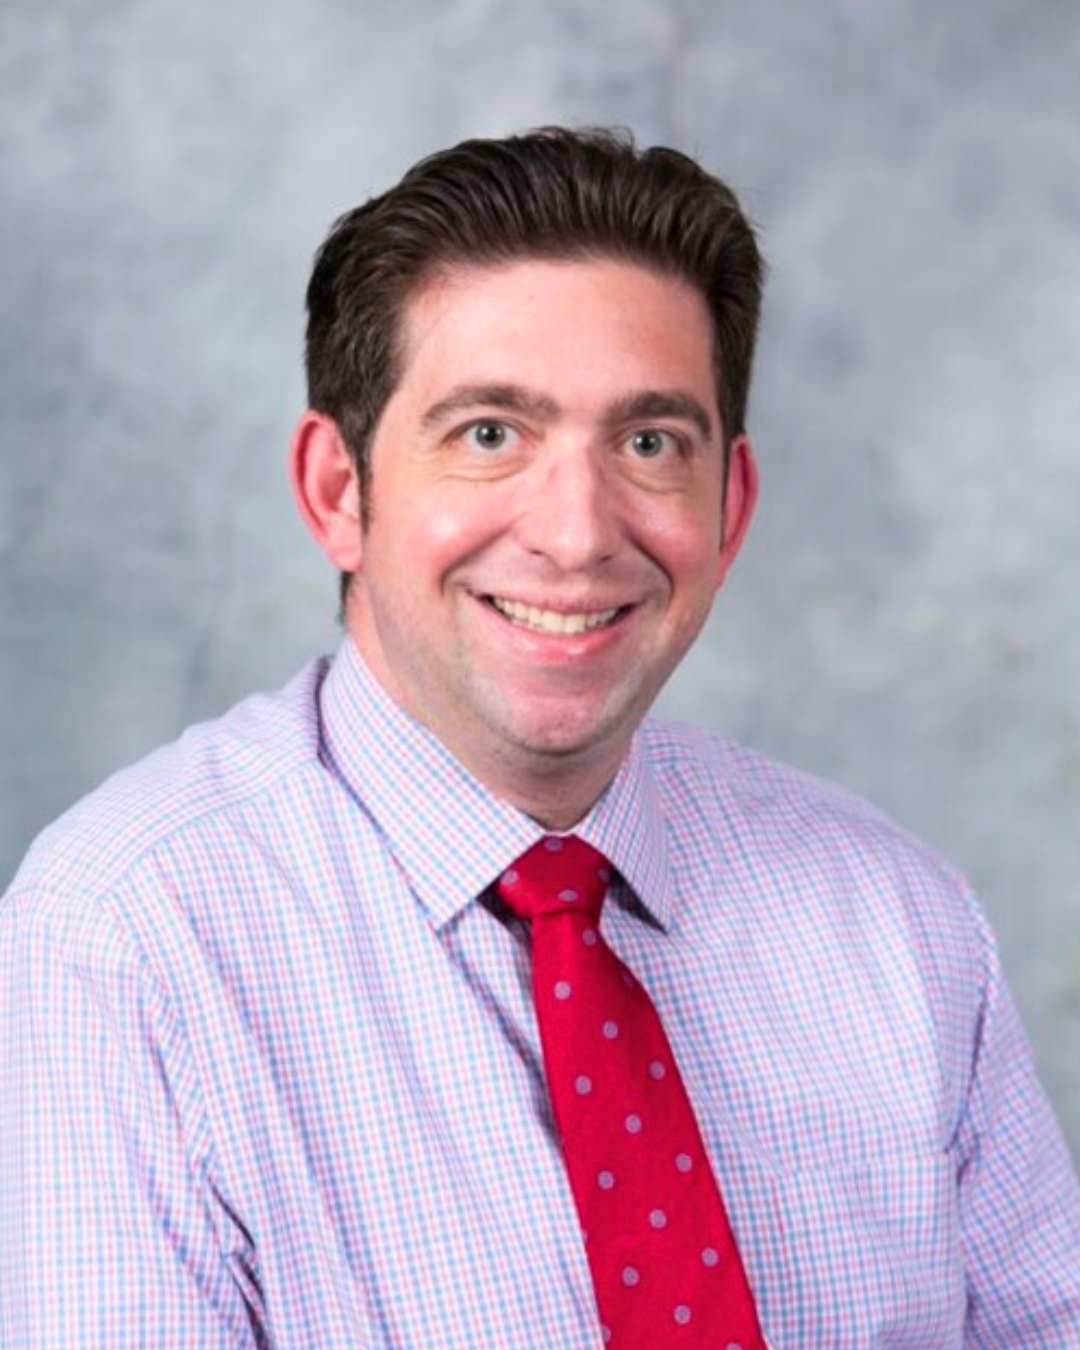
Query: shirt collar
pixel 450 836
pixel 627 825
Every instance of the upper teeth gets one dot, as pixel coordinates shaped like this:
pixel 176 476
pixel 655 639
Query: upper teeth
pixel 550 620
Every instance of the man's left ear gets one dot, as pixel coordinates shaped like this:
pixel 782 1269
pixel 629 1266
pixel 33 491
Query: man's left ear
pixel 740 498
pixel 324 482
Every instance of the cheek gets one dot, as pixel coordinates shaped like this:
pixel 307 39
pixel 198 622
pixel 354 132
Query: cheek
pixel 453 526
pixel 688 550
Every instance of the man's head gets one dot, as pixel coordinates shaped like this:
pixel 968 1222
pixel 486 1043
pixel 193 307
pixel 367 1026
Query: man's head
pixel 539 492
pixel 549 194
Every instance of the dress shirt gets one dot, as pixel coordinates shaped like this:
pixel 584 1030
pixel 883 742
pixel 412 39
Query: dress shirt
pixel 270 1073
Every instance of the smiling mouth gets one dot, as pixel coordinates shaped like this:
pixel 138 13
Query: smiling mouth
pixel 551 620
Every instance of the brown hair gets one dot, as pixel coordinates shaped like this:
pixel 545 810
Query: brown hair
pixel 552 193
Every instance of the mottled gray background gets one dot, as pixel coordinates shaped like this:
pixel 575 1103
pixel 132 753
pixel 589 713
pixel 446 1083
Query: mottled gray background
pixel 905 617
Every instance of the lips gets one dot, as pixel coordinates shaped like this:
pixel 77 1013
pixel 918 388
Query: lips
pixel 552 620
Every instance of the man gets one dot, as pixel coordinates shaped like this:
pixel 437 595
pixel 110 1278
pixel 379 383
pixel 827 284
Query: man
pixel 273 1073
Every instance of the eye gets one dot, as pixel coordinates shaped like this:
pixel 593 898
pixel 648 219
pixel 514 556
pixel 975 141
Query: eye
pixel 488 435
pixel 650 443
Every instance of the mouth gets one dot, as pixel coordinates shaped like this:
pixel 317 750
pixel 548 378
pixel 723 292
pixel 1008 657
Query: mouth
pixel 553 620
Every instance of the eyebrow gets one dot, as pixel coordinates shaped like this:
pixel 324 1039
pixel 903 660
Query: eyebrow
pixel 508 397
pixel 661 403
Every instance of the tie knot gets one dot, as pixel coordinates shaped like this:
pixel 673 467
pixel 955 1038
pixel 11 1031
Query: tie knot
pixel 561 872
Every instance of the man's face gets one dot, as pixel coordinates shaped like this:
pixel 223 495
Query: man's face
pixel 546 532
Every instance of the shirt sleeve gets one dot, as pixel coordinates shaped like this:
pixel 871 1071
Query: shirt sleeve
pixel 1019 1197
pixel 108 1235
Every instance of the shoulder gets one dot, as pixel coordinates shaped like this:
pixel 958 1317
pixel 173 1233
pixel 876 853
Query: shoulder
pixel 177 793
pixel 693 765
pixel 828 882
pixel 801 840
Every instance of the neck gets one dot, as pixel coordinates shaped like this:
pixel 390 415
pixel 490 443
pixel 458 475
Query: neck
pixel 557 792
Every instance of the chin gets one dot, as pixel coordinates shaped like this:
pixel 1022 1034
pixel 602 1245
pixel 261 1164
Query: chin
pixel 571 733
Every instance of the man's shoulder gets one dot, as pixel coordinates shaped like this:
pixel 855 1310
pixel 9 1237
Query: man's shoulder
pixel 709 760
pixel 806 854
pixel 213 768
pixel 785 817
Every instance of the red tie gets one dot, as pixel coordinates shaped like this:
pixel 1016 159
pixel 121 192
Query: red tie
pixel 664 1263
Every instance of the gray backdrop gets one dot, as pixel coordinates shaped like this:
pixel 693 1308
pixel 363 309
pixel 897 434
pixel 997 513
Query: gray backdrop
pixel 905 616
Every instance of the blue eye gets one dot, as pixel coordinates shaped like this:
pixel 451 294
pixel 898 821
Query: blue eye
pixel 649 443
pixel 488 435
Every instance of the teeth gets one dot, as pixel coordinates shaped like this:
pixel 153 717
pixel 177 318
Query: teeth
pixel 549 620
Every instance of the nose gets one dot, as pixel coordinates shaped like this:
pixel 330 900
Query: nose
pixel 572 514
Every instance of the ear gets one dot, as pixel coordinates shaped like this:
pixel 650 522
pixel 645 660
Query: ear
pixel 740 498
pixel 326 488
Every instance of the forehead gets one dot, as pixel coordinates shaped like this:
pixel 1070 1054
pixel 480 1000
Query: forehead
pixel 546 322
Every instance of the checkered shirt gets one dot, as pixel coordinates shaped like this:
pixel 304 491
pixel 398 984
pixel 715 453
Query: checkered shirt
pixel 270 1073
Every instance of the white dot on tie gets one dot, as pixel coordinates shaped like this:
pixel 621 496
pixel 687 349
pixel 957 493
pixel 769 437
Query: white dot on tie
pixel 710 1256
pixel 630 1276
pixel 582 1085
pixel 610 1030
pixel 656 1070
pixel 633 1124
pixel 683 1162
pixel 562 989
pixel 658 1218
pixel 588 936
pixel 552 844
pixel 568 896
pixel 733 1345
pixel 682 1314
pixel 510 876
pixel 605 1180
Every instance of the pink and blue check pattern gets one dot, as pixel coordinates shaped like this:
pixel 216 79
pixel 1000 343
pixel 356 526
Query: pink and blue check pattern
pixel 270 1073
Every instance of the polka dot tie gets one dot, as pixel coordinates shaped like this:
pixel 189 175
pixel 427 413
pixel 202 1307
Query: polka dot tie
pixel 664 1263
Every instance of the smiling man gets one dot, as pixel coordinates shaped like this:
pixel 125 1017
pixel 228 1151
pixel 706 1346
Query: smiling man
pixel 442 998
pixel 547 516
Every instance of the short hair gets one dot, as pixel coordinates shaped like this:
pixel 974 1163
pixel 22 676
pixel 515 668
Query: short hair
pixel 553 193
